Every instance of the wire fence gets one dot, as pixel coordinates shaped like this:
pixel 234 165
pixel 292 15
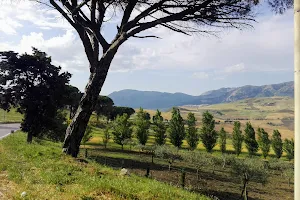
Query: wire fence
pixel 187 177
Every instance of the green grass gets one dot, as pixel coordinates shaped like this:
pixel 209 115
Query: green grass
pixel 44 172
pixel 11 116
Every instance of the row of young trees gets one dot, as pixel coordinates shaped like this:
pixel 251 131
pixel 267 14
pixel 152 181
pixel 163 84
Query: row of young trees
pixel 263 142
pixel 178 130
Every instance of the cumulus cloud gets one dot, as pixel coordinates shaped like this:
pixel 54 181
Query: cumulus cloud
pixel 267 47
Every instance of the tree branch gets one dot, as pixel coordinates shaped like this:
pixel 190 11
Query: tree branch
pixel 93 11
pixel 101 11
pixel 147 36
pixel 79 6
pixel 173 17
pixel 128 10
pixel 59 9
pixel 143 14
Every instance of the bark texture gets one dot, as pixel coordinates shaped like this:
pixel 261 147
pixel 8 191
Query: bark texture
pixel 76 129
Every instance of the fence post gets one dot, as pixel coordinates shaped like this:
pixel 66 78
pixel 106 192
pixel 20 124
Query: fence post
pixel 86 153
pixel 148 171
pixel 182 178
pixel 122 163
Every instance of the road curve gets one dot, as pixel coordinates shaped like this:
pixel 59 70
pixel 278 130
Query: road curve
pixel 5 129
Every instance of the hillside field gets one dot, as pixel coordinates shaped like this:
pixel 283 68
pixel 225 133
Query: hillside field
pixel 269 113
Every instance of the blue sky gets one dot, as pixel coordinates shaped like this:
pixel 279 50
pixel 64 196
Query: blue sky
pixel 176 63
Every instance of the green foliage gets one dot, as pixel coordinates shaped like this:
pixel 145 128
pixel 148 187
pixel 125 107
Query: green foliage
pixel 72 99
pixel 208 134
pixel 36 88
pixel 87 135
pixel 142 126
pixel 279 165
pixel 222 140
pixel 104 106
pixel 192 136
pixel 196 158
pixel 176 125
pixel 250 141
pixel 202 160
pixel 169 153
pixel 130 142
pixel 119 110
pixel 288 147
pixel 289 174
pixel 237 138
pixel 106 137
pixel 121 129
pixel 57 128
pixel 264 142
pixel 159 129
pixel 227 159
pixel 249 170
pixel 277 143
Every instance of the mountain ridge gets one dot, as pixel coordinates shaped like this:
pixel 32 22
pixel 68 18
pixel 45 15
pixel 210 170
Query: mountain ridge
pixel 158 100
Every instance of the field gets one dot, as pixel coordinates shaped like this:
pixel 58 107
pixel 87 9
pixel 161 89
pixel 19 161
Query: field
pixel 219 183
pixel 42 166
pixel 268 113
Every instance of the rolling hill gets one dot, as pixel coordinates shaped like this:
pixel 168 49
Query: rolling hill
pixel 164 100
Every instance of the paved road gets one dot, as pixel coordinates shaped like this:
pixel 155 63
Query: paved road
pixel 6 129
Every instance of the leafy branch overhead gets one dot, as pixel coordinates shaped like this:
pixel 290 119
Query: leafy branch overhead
pixel 88 16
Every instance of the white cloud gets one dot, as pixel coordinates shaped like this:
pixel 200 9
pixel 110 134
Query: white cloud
pixel 235 68
pixel 9 26
pixel 14 13
pixel 268 47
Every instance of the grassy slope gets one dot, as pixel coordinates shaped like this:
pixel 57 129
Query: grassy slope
pixel 44 172
pixel 11 116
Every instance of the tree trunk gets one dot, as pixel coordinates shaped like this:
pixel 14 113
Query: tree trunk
pixel 244 192
pixel 76 129
pixel 29 137
pixel 122 147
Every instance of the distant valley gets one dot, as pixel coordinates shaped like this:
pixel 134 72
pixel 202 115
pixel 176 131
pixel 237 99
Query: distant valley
pixel 164 100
